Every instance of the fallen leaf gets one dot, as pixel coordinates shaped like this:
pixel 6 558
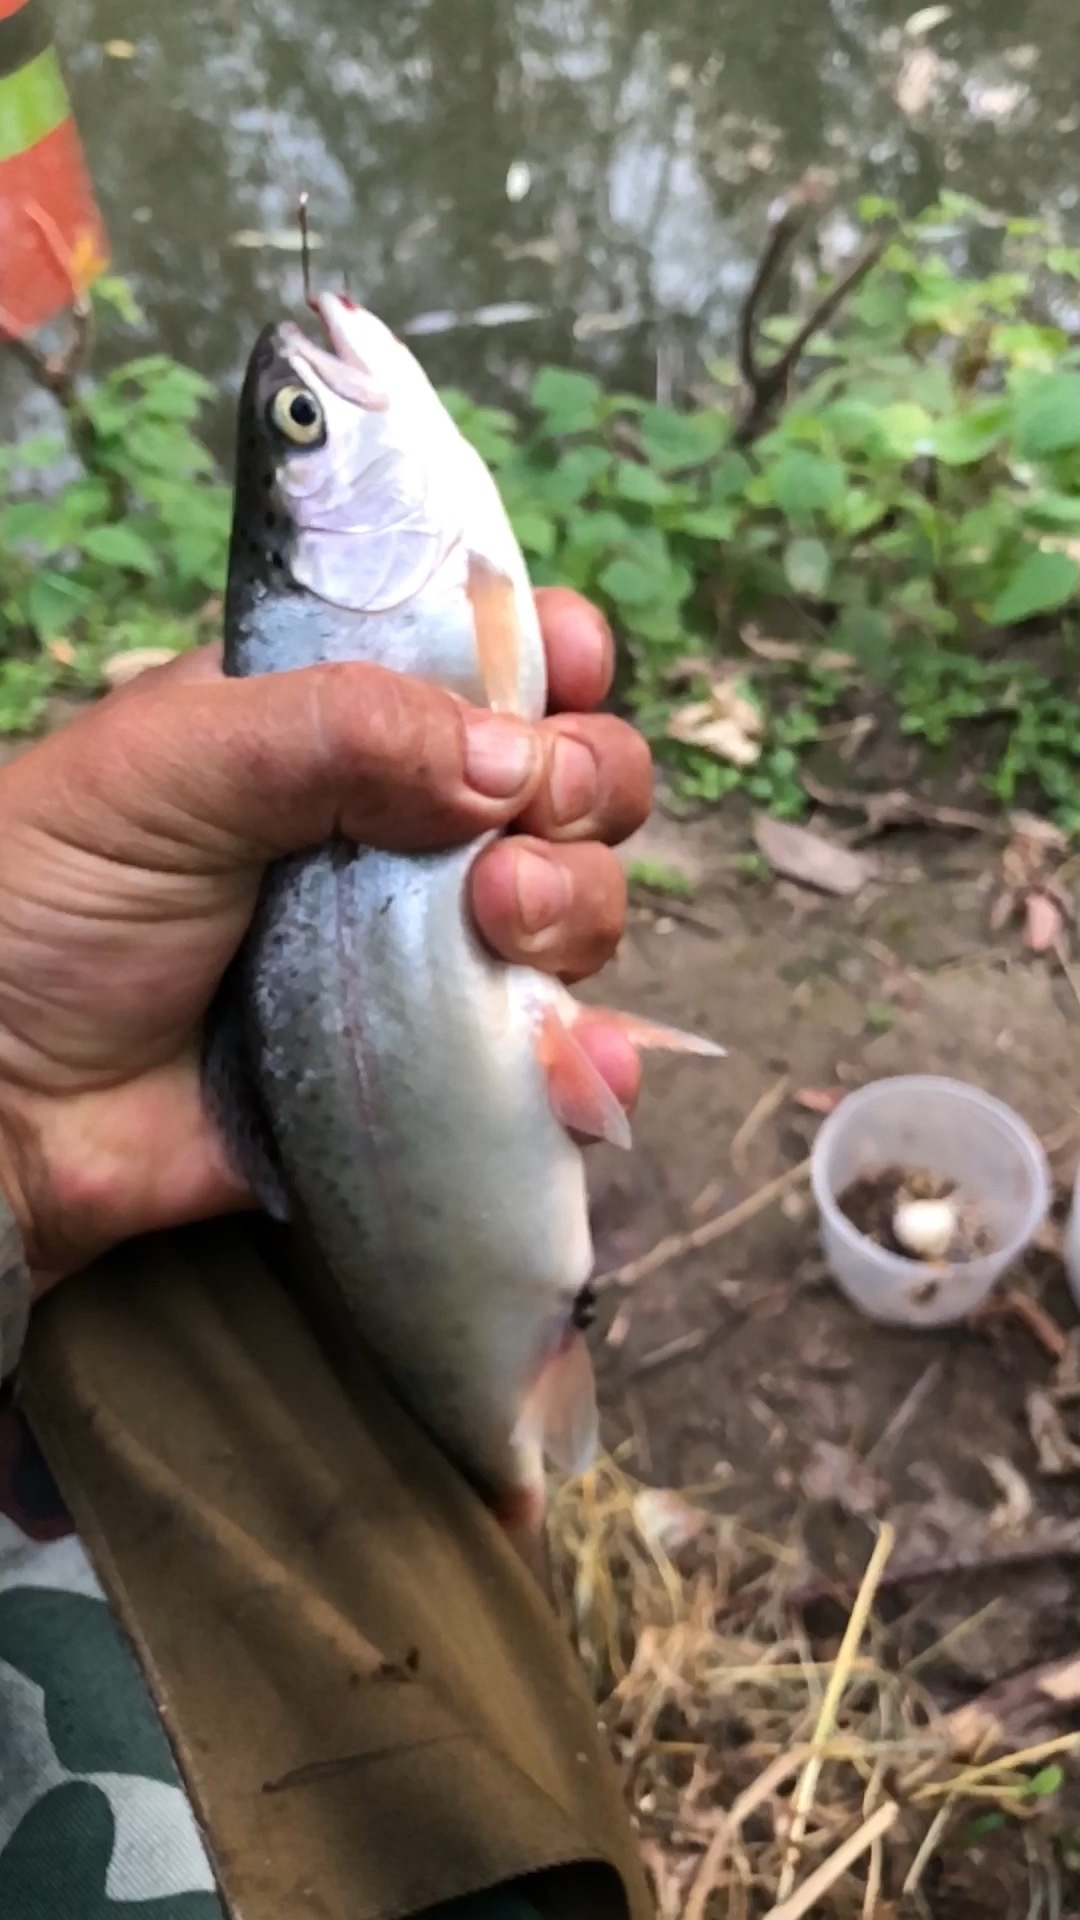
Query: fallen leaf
pixel 898 808
pixel 1016 1505
pixel 790 652
pixel 62 652
pixel 119 49
pixel 820 1099
pixel 1018 1712
pixel 925 21
pixel 1031 827
pixel 667 1520
pixel 727 724
pixel 811 859
pixel 766 649
pixel 1057 1453
pixel 917 80
pixel 122 667
pixel 1043 923
pixel 837 1475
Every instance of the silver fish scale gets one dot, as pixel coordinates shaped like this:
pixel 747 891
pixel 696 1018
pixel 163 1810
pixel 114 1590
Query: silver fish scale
pixel 397 1059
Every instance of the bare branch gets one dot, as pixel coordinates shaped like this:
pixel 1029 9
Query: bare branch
pixel 765 385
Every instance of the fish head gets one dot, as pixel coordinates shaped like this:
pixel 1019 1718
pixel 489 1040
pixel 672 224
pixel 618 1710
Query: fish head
pixel 353 481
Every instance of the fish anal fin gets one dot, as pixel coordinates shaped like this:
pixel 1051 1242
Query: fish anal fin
pixel 559 1421
pixel 493 598
pixel 581 1099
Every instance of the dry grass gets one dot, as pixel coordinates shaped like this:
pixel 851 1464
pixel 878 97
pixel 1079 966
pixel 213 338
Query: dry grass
pixel 768 1778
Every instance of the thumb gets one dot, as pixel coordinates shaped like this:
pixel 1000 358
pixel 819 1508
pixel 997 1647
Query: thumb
pixel 207 771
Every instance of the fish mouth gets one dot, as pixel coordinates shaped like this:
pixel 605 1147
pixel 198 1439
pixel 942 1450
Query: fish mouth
pixel 341 366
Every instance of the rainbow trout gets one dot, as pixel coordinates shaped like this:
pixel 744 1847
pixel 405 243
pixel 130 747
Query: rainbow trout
pixel 372 1065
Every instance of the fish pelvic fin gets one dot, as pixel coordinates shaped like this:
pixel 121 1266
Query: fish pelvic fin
pixel 559 1421
pixel 580 1096
pixel 655 1036
pixel 493 599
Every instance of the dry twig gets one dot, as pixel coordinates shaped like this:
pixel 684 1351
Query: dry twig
pixel 767 384
pixel 676 1245
pixel 803 1797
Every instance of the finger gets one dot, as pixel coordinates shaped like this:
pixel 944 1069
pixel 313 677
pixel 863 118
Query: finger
pixel 599 786
pixel 216 770
pixel 580 650
pixel 612 1054
pixel 557 908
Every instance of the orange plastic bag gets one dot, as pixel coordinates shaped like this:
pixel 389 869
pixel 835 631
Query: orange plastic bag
pixel 52 238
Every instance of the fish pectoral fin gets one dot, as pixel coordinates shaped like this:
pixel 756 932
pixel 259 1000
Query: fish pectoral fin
pixel 560 1420
pixel 493 599
pixel 580 1096
pixel 652 1035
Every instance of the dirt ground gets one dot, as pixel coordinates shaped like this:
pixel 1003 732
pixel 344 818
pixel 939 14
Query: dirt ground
pixel 740 1367
pixel 824 993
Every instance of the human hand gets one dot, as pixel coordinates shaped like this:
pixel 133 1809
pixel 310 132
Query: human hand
pixel 132 844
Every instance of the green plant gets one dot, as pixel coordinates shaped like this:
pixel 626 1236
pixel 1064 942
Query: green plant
pixel 113 532
pixel 915 509
pixel 909 521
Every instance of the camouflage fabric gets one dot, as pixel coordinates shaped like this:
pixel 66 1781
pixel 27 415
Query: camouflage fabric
pixel 94 1821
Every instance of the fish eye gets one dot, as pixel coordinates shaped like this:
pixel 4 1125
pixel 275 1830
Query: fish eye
pixel 297 414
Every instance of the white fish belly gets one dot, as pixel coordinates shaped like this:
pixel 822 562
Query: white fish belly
pixel 398 1062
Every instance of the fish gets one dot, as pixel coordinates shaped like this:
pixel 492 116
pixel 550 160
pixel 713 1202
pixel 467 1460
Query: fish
pixel 373 1068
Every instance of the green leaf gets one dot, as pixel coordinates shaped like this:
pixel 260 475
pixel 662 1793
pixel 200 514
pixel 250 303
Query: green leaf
pixel 119 546
pixel 42 451
pixel 535 532
pixel 628 583
pixel 1046 418
pixel 729 477
pixel 640 484
pixel 53 602
pixel 1040 583
pixel 1052 510
pixel 807 567
pixel 39 521
pixel 969 436
pixel 905 430
pixel 679 440
pixel 660 625
pixel 867 634
pixel 804 483
pixel 163 447
pixel 1044 1784
pixel 596 533
pixel 707 523
pixel 570 402
pixel 199 554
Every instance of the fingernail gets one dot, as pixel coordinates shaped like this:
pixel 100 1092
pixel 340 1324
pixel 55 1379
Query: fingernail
pixel 500 755
pixel 574 780
pixel 543 890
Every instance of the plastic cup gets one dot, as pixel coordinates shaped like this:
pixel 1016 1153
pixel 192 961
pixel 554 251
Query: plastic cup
pixel 922 1123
